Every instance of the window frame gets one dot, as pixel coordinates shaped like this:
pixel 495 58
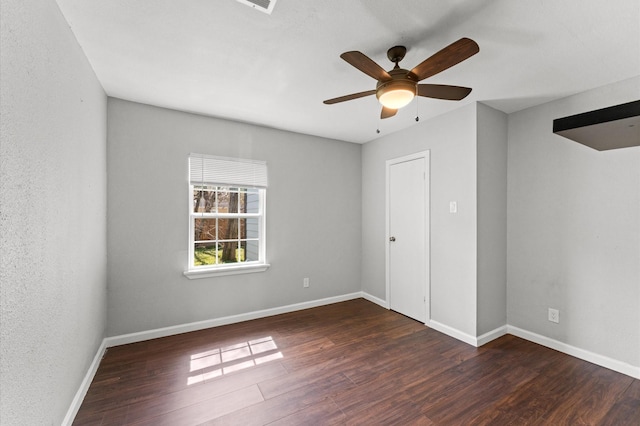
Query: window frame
pixel 204 271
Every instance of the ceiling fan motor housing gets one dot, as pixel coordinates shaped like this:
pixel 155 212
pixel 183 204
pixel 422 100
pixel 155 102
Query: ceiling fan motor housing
pixel 396 53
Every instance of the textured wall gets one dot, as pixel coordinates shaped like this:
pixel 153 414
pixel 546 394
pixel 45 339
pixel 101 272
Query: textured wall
pixel 451 139
pixel 492 219
pixel 313 218
pixel 574 230
pixel 52 214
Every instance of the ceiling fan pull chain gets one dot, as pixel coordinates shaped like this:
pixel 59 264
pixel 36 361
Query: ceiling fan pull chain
pixel 416 98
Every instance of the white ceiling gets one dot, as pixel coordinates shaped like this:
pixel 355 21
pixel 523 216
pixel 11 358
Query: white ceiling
pixel 224 59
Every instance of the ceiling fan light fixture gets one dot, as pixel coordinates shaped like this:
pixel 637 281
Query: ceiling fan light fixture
pixel 396 88
pixel 396 94
pixel 396 99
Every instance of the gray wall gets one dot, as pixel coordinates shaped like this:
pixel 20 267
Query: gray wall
pixel 492 219
pixel 573 218
pixel 313 218
pixel 574 230
pixel 52 214
pixel 451 139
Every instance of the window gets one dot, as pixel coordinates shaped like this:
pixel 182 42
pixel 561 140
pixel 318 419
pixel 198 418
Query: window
pixel 226 216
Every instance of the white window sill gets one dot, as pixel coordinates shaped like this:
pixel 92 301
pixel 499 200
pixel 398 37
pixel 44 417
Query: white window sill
pixel 225 270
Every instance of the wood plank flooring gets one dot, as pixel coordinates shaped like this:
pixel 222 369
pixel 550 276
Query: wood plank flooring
pixel 350 363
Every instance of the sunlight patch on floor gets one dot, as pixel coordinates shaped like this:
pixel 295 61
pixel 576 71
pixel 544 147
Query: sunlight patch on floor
pixel 220 361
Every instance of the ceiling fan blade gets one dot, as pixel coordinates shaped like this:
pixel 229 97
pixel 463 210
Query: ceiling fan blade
pixel 443 91
pixel 388 112
pixel 349 97
pixel 451 55
pixel 366 65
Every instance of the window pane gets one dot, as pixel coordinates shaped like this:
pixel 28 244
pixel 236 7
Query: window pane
pixel 227 200
pixel 223 200
pixel 228 229
pixel 249 201
pixel 204 229
pixel 206 254
pixel 240 252
pixel 203 199
pixel 251 228
pixel 251 251
pixel 230 253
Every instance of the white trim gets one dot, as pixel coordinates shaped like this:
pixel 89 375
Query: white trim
pixel 216 322
pixel 222 271
pixel 84 385
pixel 601 360
pixel 424 155
pixel 491 335
pixel 375 300
pixel 468 338
pixel 594 358
pixel 453 332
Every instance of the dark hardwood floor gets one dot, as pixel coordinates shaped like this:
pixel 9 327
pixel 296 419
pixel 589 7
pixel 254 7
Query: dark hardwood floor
pixel 350 363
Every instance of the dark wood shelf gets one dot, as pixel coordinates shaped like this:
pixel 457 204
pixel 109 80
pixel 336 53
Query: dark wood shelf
pixel 603 129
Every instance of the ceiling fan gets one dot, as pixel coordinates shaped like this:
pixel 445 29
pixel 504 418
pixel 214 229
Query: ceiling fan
pixel 397 87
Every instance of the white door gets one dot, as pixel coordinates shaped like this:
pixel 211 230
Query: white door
pixel 407 225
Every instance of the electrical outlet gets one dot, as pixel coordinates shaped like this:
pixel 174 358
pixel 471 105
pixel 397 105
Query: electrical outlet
pixel 305 282
pixel 554 315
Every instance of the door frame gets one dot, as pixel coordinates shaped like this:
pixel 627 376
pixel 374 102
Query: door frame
pixel 425 155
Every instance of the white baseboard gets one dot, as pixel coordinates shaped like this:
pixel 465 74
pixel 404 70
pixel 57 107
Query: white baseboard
pixel 216 322
pixel 491 335
pixel 594 358
pixel 375 300
pixel 601 360
pixel 450 331
pixel 84 386
pixel 467 338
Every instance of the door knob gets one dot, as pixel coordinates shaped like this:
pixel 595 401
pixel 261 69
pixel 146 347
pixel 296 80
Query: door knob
pixel 392 239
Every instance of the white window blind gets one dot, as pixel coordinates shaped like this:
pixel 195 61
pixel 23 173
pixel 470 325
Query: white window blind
pixel 223 171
